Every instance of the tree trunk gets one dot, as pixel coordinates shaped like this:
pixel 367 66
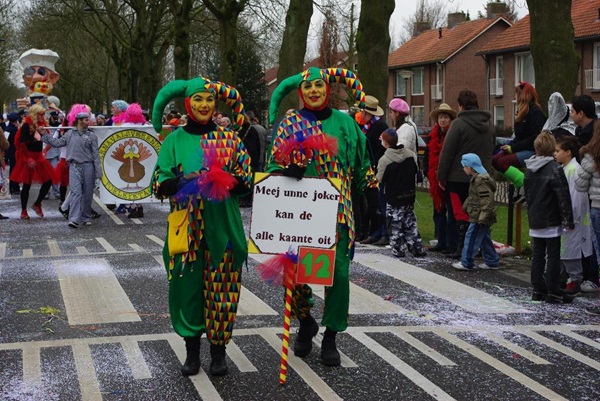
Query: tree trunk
pixel 293 46
pixel 372 45
pixel 228 59
pixel 555 61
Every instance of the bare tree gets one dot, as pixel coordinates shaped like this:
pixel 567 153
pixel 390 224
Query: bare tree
pixel 512 13
pixel 433 12
pixel 555 61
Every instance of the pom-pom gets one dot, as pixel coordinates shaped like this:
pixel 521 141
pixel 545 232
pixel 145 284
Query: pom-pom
pixel 279 269
pixel 321 143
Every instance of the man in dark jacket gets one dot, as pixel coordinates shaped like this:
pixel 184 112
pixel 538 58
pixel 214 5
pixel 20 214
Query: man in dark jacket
pixel 11 128
pixel 471 132
pixel 583 113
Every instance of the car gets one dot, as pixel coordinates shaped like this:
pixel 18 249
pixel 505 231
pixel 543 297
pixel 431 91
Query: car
pixel 424 132
pixel 421 151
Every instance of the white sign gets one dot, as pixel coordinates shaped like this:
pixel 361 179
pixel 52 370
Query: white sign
pixel 128 155
pixel 287 212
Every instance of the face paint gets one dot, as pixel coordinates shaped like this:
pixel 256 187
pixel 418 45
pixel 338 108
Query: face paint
pixel 202 105
pixel 314 94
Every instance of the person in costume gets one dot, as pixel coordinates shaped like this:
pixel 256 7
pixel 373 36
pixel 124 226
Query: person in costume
pixel 201 169
pixel 350 162
pixel 31 164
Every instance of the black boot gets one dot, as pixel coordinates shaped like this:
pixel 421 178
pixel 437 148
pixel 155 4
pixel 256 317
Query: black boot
pixel 461 228
pixel 192 361
pixel 218 364
pixel 308 329
pixel 329 353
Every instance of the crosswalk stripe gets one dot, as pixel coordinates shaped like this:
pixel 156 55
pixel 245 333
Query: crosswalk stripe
pixel 425 349
pixel 201 382
pixel 402 367
pixel 250 304
pixel 515 348
pixel 2 250
pixel 459 294
pixel 136 247
pixel 108 212
pixel 135 359
pixel 561 348
pixel 109 303
pixel 502 367
pixel 32 371
pixel 580 338
pixel 86 374
pixel 107 247
pixel 27 253
pixel 54 248
pixel 237 356
pixel 300 367
pixel 82 250
pixel 156 239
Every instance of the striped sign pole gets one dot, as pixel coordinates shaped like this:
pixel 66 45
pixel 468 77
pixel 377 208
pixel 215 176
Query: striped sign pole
pixel 286 335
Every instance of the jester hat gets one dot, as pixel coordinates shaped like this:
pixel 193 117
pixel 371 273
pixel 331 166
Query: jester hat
pixel 329 75
pixel 181 88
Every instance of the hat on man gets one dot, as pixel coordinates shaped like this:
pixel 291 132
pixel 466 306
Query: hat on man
pixel 372 106
pixel 12 117
pixel 473 161
pixel 399 106
pixel 444 108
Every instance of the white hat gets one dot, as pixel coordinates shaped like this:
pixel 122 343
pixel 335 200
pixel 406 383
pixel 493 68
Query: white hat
pixel 44 58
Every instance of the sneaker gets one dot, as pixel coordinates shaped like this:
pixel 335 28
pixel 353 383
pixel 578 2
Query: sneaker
pixel 382 242
pixel 24 215
pixel 437 248
pixel 485 266
pixel 95 214
pixel 136 213
pixel 459 266
pixel 398 254
pixel 559 299
pixel 369 240
pixel 65 213
pixel 87 223
pixel 73 224
pixel 573 288
pixel 593 311
pixel 37 209
pixel 419 253
pixel 538 296
pixel 122 209
pixel 588 286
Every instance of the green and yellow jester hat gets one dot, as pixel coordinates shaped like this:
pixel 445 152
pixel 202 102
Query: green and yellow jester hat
pixel 181 88
pixel 329 75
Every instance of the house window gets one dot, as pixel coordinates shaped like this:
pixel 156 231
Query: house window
pixel 596 73
pixel 417 81
pixel 524 68
pixel 418 115
pixel 400 85
pixel 499 116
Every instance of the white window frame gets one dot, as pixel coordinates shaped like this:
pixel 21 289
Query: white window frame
pixel 422 115
pixel 399 79
pixel 418 81
pixel 519 71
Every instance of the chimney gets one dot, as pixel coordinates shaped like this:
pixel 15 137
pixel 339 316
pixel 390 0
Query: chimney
pixel 455 19
pixel 496 9
pixel 420 27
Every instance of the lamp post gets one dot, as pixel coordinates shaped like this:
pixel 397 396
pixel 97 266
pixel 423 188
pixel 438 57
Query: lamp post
pixel 406 74
pixel 133 85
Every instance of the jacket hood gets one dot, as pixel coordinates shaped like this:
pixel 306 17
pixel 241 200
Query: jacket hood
pixel 478 119
pixel 398 154
pixel 535 163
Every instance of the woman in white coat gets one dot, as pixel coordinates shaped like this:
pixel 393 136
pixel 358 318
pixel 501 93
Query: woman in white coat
pixel 405 128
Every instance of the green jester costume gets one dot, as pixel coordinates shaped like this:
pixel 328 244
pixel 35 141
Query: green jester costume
pixel 204 275
pixel 350 163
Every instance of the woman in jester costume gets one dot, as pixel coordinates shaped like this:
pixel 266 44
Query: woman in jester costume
pixel 204 277
pixel 349 162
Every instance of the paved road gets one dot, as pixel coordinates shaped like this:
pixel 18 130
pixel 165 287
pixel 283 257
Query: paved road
pixel 84 317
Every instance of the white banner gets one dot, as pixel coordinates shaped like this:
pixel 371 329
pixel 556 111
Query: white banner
pixel 287 212
pixel 128 155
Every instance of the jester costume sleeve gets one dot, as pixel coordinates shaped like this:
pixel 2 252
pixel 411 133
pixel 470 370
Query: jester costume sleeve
pixel 350 162
pixel 204 281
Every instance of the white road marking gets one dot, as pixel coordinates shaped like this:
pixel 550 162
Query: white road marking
pixel 136 220
pixel 27 253
pixel 32 371
pixel 201 382
pixel 515 348
pixel 156 239
pixel 82 250
pixel 401 366
pixel 300 367
pixel 502 367
pixel 107 247
pixel 249 304
pixel 346 362
pixel 241 361
pixel 424 348
pixel 108 212
pixel 580 338
pixel 92 293
pixel 159 259
pixel 54 248
pixel 466 297
pixel 86 374
pixel 561 348
pixel 135 359
pixel 2 250
pixel 136 247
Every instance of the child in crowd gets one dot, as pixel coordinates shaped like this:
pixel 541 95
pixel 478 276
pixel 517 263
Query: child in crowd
pixel 396 171
pixel 480 207
pixel 578 241
pixel 550 213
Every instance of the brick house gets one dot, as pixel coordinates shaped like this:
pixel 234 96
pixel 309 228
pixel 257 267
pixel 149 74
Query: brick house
pixel 436 64
pixel 509 59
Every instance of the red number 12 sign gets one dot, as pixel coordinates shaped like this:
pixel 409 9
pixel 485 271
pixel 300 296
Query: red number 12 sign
pixel 315 266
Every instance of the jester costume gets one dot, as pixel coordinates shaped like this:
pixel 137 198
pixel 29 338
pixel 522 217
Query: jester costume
pixel 204 278
pixel 350 163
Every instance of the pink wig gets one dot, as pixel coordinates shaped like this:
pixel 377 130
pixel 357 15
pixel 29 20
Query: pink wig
pixel 76 109
pixel 133 115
